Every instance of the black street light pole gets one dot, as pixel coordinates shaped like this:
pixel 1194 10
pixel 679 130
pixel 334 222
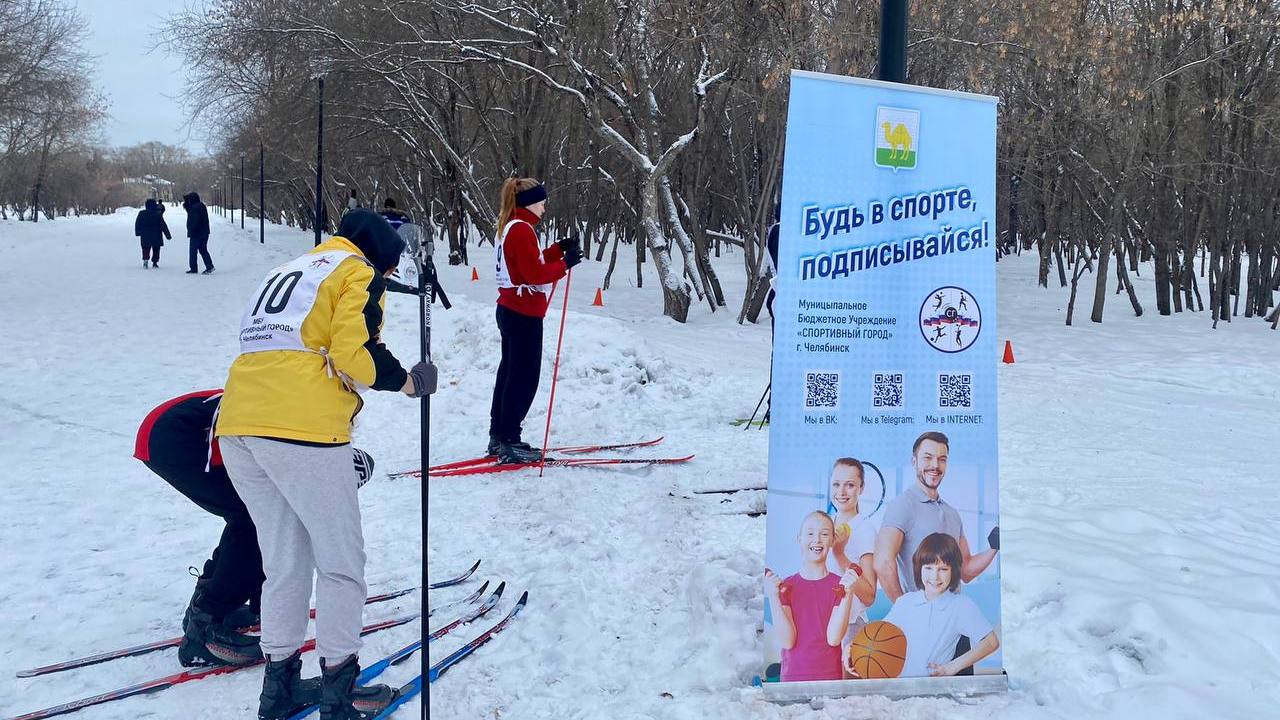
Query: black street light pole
pixel 319 160
pixel 893 40
pixel 262 196
pixel 242 205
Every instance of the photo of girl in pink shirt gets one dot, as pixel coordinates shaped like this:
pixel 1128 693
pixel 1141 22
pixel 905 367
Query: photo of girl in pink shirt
pixel 811 608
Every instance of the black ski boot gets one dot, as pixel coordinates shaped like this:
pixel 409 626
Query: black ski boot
pixel 209 642
pixel 342 699
pixel 284 692
pixel 517 452
pixel 495 443
pixel 245 616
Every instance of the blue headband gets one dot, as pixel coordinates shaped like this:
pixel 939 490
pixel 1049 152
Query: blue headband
pixel 533 195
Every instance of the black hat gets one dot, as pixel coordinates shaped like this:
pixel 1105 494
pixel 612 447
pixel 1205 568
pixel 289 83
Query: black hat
pixel 371 232
pixel 364 466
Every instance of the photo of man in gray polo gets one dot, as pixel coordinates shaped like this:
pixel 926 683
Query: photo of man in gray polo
pixel 919 512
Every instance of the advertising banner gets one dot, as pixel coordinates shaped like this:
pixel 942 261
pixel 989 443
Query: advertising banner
pixel 883 503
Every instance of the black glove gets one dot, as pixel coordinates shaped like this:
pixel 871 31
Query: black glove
pixel 424 376
pixel 572 256
pixel 570 244
pixel 993 538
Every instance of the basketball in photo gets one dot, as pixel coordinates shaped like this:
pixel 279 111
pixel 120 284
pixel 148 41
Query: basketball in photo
pixel 878 651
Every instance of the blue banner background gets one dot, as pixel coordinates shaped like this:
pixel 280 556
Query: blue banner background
pixel 832 134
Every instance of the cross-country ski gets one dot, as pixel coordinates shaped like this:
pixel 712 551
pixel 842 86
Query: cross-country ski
pixel 411 689
pixel 377 668
pixel 493 460
pixel 557 462
pixel 185 676
pixel 175 642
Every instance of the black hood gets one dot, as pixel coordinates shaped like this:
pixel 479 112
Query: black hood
pixel 190 199
pixel 371 232
pixel 151 204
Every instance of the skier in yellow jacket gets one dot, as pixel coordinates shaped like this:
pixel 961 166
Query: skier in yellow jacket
pixel 309 343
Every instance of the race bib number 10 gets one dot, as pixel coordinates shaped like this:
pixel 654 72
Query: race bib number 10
pixel 282 302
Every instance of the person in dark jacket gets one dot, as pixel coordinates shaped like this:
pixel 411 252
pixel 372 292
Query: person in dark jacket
pixel 174 442
pixel 151 228
pixel 197 232
pixel 393 216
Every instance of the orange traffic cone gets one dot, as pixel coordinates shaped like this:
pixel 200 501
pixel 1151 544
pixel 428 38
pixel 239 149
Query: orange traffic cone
pixel 599 301
pixel 474 275
pixel 1008 352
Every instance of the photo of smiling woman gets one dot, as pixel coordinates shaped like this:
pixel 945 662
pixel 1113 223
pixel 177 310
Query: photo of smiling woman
pixel 855 538
pixel 934 617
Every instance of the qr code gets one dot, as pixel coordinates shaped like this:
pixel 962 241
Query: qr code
pixel 955 391
pixel 886 391
pixel 822 389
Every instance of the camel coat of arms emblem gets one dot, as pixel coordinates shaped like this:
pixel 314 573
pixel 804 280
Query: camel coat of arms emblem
pixel 897 137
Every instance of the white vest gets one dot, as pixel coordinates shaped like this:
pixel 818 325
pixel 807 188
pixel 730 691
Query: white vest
pixel 504 275
pixel 273 320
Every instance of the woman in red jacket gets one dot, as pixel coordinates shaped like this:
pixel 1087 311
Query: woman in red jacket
pixel 526 274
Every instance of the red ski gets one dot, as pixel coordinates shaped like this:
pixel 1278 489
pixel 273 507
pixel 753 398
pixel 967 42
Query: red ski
pixel 166 643
pixel 560 462
pixel 491 460
pixel 182 677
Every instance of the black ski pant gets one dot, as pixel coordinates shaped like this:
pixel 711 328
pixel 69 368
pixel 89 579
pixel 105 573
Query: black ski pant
pixel 233 576
pixel 200 245
pixel 518 373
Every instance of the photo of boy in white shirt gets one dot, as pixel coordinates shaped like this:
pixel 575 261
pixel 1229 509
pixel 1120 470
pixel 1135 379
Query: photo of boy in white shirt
pixel 936 616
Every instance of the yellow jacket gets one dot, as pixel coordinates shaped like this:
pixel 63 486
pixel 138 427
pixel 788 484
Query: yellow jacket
pixel 291 394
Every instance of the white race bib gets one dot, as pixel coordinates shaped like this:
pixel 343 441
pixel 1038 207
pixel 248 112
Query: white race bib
pixel 273 320
pixel 504 275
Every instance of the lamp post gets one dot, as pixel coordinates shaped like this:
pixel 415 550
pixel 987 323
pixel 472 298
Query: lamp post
pixel 242 205
pixel 231 190
pixel 262 193
pixel 893 40
pixel 319 158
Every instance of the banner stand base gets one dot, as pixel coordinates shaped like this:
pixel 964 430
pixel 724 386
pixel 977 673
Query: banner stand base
pixel 963 685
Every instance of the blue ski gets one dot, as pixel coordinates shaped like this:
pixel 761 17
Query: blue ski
pixel 411 689
pixel 368 674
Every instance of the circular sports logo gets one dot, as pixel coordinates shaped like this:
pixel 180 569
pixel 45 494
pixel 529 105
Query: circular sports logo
pixel 950 319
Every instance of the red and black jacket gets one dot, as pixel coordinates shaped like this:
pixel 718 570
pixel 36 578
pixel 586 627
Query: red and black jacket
pixel 176 433
pixel 529 265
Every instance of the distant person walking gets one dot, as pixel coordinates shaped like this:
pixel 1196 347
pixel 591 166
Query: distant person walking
pixel 150 227
pixel 393 215
pixel 197 232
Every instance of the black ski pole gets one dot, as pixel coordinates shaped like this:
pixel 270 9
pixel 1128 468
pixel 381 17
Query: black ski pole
pixel 762 397
pixel 428 290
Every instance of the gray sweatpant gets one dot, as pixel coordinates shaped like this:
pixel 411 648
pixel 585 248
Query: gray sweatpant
pixel 303 501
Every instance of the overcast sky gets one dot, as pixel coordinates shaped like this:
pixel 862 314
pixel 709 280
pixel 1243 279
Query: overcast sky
pixel 142 88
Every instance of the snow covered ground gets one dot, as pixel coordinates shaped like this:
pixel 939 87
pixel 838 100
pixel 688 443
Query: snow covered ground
pixel 1138 497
